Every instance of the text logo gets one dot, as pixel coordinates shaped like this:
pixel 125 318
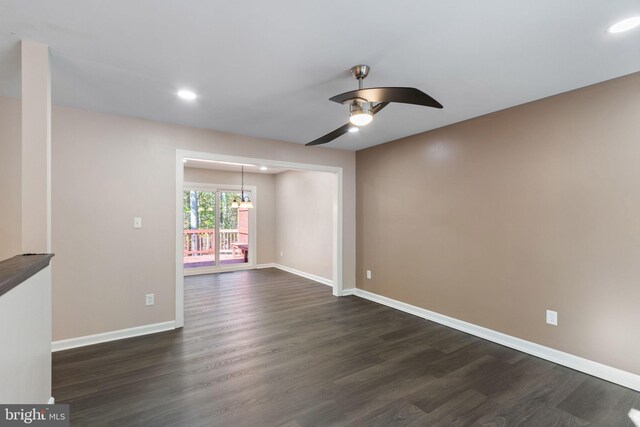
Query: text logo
pixel 34 415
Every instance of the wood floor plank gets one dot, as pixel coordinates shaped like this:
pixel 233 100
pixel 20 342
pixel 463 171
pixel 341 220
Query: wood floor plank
pixel 268 348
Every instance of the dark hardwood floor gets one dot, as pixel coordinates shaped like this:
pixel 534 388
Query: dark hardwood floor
pixel 267 348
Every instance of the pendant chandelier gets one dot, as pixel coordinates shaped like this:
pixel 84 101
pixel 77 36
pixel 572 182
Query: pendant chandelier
pixel 245 200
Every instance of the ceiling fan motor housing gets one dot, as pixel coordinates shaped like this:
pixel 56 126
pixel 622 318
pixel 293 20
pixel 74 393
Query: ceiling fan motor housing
pixel 360 107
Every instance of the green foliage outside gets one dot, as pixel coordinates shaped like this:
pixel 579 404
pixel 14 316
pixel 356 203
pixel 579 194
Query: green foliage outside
pixel 205 211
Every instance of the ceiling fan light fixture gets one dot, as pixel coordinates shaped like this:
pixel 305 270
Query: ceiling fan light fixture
pixel 364 103
pixel 360 113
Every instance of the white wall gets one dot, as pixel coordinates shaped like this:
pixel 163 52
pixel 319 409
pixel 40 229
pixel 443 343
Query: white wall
pixel 25 334
pixel 106 170
pixel 304 221
pixel 36 148
pixel 264 203
pixel 10 170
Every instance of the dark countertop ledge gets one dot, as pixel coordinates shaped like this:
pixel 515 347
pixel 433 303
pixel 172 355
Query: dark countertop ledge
pixel 16 270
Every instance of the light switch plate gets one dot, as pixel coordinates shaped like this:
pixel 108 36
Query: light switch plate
pixel 137 222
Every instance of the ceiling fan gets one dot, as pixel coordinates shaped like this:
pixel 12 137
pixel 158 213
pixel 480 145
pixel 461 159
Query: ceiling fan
pixel 365 103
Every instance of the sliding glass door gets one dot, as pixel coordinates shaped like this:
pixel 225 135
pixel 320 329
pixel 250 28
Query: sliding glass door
pixel 199 237
pixel 215 233
pixel 234 230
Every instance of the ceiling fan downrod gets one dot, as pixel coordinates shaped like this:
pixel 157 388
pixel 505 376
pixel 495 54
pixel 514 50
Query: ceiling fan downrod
pixel 360 72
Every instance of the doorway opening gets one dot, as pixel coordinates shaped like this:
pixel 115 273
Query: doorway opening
pixel 219 162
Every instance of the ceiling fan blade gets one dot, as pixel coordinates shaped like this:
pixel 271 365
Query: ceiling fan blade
pixel 379 107
pixel 330 136
pixel 342 129
pixel 405 95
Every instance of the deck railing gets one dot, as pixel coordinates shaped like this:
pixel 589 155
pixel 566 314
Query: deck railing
pixel 202 242
pixel 227 239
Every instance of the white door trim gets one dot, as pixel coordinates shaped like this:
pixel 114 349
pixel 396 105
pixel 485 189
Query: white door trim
pixel 337 215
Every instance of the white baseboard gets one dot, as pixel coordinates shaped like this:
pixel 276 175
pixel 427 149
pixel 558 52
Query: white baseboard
pixel 225 269
pixel 216 269
pixel 269 265
pixel 347 292
pixel 51 401
pixel 609 373
pixel 310 276
pixel 112 336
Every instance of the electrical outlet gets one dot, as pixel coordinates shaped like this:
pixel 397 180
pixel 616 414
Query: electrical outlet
pixel 552 317
pixel 137 222
pixel 149 299
pixel 281 253
pixel 368 274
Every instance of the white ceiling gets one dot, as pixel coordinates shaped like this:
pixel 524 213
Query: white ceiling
pixel 267 68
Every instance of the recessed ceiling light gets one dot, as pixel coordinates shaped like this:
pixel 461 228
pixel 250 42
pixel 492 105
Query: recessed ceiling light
pixel 625 25
pixel 354 129
pixel 187 94
pixel 263 168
